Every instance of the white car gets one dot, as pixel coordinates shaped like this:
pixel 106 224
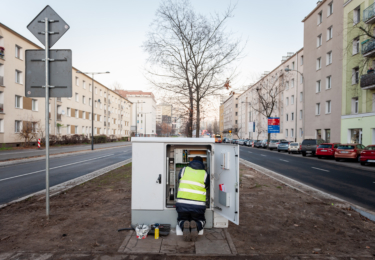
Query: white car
pixel 294 148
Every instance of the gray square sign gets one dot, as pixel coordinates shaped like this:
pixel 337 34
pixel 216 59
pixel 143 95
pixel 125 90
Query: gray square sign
pixel 57 26
pixel 60 73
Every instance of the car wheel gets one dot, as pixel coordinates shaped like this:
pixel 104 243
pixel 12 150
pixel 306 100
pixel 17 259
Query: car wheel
pixel 288 152
pixel 303 154
pixel 278 150
pixel 319 157
pixel 337 159
pixel 313 154
pixel 363 163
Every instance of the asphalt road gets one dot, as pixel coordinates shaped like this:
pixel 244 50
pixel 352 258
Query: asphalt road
pixel 26 153
pixel 26 178
pixel 354 184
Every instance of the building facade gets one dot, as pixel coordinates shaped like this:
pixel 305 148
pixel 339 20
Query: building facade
pixel 323 55
pixel 67 116
pixel 231 116
pixel 358 95
pixel 144 111
pixel 221 119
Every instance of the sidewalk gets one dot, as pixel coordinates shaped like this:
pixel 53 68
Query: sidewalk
pixel 276 222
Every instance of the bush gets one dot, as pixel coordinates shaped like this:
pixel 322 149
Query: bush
pixel 100 139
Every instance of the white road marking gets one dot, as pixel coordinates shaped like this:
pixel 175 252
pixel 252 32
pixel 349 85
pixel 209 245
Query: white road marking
pixel 263 155
pixel 320 169
pixel 54 168
pixel 284 160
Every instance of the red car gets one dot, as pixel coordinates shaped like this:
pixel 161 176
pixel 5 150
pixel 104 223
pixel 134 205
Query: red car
pixel 368 155
pixel 326 150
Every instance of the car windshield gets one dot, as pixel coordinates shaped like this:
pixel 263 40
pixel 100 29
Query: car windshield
pixel 274 141
pixel 371 148
pixel 346 147
pixel 309 142
pixel 294 144
pixel 325 146
pixel 284 142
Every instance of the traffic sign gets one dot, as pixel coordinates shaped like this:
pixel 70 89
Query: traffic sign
pixel 60 73
pixel 57 26
pixel 274 125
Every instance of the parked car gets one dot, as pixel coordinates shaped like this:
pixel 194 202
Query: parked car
pixel 234 141
pixel 274 143
pixel 283 146
pixel 241 142
pixel 368 155
pixel 348 151
pixel 264 143
pixel 294 148
pixel 309 146
pixel 227 140
pixel 326 150
pixel 249 142
pixel 258 143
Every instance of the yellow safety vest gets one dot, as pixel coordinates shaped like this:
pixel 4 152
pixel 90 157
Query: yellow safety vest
pixel 192 186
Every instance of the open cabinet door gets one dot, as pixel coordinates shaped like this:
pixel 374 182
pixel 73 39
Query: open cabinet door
pixel 226 181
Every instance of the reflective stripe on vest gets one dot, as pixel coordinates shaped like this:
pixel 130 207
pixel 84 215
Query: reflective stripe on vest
pixel 192 202
pixel 192 185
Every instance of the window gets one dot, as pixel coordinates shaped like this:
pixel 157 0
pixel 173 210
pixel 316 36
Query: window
pixel 76 129
pixel 18 77
pixel 18 126
pixel 293 65
pixel 84 84
pixel 357 15
pixel 83 99
pixel 34 105
pixel 287 85
pixel 355 75
pixel 68 113
pixel 287 117
pixel 318 86
pixel 76 113
pixel 68 129
pixel 90 102
pixel 300 114
pixel 286 132
pixel 317 109
pixel 300 96
pixel 90 87
pixel 18 102
pixel 300 132
pixel 328 107
pixel 101 93
pixel 34 127
pixel 292 100
pixel 83 130
pixel 83 115
pixel 327 135
pixel 318 63
pixel 318 134
pixel 292 116
pixel 236 113
pixel 18 52
pixel 96 104
pixel 287 101
pixel 320 17
pixel 301 60
pixel 373 103
pixel 236 105
pixel 1 125
pixel 355 46
pixel 328 82
pixel 329 33
pixel 330 9
pixel 355 107
pixel 77 81
pixel 77 97
pixel 292 85
pixel 319 41
pixel 329 58
pixel 96 90
pixel 90 116
pixel 291 132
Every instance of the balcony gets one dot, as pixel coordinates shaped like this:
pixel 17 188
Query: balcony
pixel 58 117
pixel 1 108
pixel 368 81
pixel 369 14
pixel 368 48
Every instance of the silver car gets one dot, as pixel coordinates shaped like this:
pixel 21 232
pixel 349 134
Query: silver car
pixel 274 143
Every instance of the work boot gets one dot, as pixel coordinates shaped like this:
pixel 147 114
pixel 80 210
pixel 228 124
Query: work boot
pixel 193 231
pixel 186 231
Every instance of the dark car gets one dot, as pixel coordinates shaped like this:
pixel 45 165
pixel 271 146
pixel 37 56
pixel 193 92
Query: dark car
pixel 283 146
pixel 234 141
pixel 309 146
pixel 258 143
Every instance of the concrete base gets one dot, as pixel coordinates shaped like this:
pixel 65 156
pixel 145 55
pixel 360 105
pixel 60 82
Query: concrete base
pixel 212 242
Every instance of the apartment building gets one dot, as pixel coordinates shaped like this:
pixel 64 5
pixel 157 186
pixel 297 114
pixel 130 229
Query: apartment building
pixel 323 59
pixel 144 111
pixel 231 116
pixel 221 119
pixel 288 105
pixel 67 116
pixel 358 95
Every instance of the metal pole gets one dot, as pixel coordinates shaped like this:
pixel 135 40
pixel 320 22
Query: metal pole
pixel 47 114
pixel 136 119
pixel 92 114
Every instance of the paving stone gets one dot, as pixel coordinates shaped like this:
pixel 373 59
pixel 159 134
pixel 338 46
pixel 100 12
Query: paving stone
pixel 26 256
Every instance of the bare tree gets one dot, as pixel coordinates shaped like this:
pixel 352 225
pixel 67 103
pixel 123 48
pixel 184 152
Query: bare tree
pixel 267 96
pixel 260 130
pixel 116 86
pixel 28 131
pixel 166 129
pixel 216 127
pixel 190 54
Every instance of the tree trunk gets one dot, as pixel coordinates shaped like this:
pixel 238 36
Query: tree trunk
pixel 269 140
pixel 198 120
pixel 190 122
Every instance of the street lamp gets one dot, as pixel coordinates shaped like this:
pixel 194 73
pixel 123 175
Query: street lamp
pixel 303 96
pixel 92 105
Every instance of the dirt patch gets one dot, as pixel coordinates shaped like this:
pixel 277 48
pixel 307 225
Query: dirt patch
pixel 84 218
pixel 276 219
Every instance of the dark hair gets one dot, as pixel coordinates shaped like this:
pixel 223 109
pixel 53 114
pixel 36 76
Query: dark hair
pixel 198 158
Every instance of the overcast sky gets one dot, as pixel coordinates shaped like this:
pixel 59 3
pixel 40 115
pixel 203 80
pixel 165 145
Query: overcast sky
pixel 108 35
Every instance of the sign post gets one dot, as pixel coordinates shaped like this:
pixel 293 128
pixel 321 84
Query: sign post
pixel 274 125
pixel 54 28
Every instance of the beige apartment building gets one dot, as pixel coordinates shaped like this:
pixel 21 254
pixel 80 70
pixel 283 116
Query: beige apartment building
pixel 67 116
pixel 288 106
pixel 323 48
pixel 231 116
pixel 221 119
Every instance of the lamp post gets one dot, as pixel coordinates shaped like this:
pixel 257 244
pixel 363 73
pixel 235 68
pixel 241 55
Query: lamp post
pixel 303 108
pixel 92 104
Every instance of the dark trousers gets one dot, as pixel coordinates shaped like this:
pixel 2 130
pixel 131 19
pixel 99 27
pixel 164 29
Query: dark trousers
pixel 199 218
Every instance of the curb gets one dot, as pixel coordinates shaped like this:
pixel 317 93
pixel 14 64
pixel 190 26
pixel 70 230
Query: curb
pixel 42 157
pixel 308 190
pixel 54 190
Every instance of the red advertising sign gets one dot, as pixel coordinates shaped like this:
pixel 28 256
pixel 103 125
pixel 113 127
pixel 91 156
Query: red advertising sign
pixel 273 121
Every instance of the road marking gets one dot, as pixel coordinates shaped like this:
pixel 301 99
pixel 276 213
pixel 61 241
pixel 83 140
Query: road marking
pixel 263 155
pixel 54 168
pixel 284 160
pixel 320 169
